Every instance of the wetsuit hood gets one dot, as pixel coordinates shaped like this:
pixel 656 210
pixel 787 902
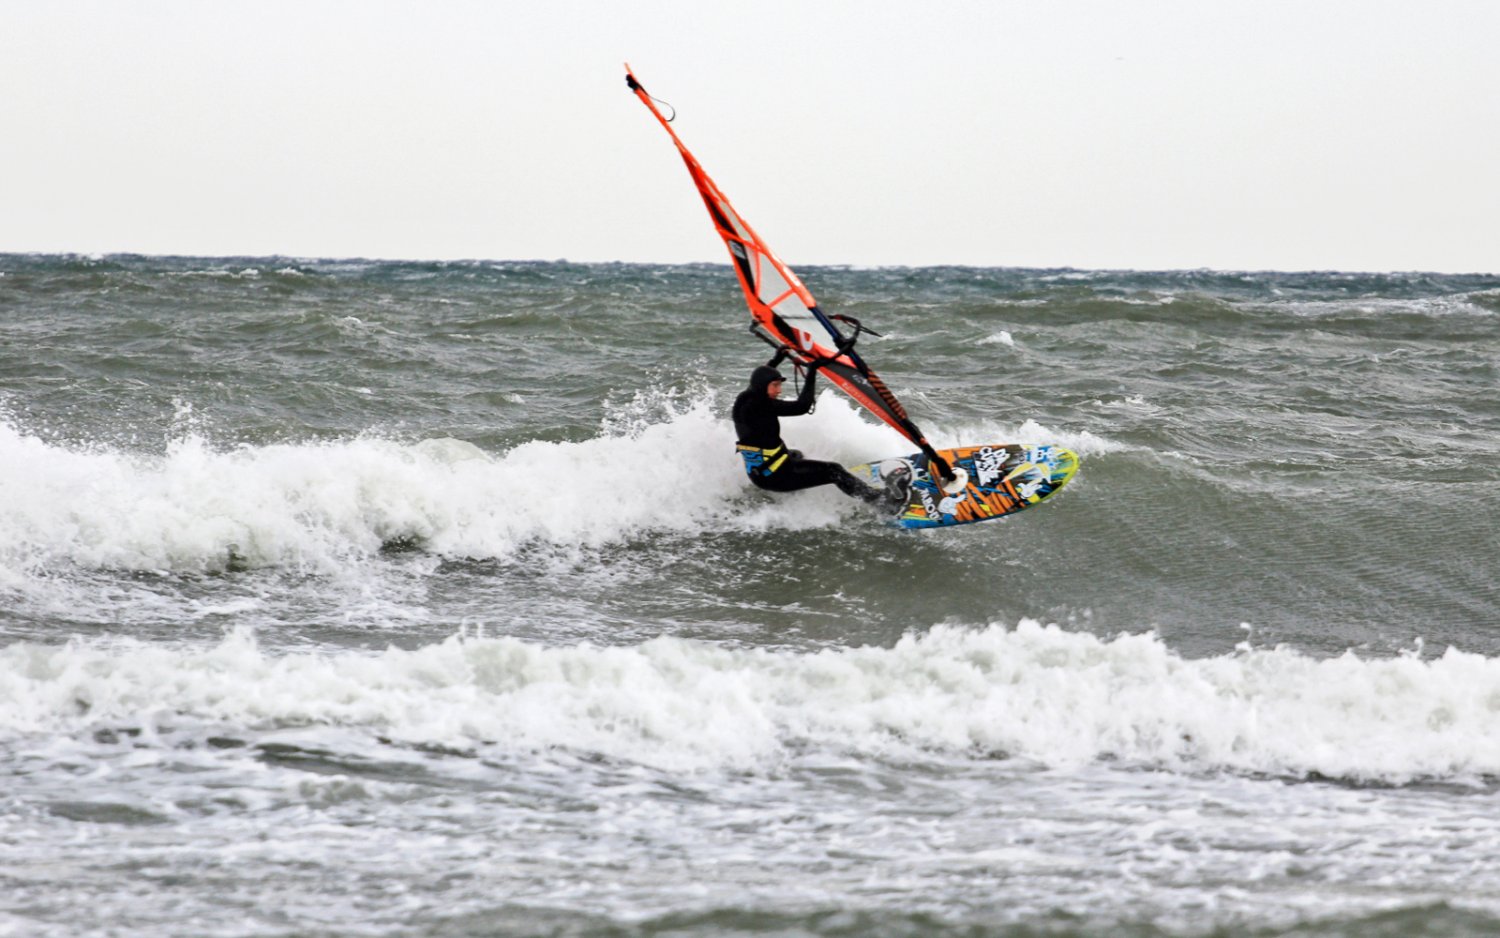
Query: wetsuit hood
pixel 761 378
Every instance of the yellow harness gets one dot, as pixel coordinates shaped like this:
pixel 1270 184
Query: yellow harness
pixel 762 462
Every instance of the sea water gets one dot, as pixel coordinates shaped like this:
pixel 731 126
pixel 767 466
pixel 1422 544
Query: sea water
pixel 379 598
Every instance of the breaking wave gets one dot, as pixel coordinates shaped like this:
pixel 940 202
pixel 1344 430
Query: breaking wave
pixel 1033 692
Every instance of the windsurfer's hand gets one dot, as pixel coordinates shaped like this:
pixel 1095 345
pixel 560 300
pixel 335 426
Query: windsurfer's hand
pixel 816 363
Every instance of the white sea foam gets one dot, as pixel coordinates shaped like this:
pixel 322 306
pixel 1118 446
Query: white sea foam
pixel 314 505
pixel 1028 432
pixel 1000 338
pixel 660 464
pixel 1035 692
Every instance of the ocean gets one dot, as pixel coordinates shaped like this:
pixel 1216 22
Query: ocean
pixel 367 598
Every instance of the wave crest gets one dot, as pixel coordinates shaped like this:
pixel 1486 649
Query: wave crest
pixel 1034 692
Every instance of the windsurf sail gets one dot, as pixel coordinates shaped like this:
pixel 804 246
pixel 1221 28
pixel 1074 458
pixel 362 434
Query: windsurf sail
pixel 782 311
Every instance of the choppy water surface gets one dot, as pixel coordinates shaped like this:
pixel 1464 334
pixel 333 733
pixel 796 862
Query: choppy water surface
pixel 397 598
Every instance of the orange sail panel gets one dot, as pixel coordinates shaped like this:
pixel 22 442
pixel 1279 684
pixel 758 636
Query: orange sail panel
pixel 783 310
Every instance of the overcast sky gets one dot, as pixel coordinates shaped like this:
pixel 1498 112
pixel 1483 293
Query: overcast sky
pixel 1343 134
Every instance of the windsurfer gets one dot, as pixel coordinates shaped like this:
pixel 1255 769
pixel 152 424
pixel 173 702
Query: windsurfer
pixel 773 467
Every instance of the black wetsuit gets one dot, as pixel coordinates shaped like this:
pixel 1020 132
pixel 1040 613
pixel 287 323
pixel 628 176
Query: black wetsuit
pixel 771 466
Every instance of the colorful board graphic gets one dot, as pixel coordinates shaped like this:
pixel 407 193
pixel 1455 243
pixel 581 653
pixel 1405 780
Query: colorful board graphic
pixel 997 480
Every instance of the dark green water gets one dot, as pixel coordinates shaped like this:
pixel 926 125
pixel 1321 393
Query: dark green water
pixel 347 597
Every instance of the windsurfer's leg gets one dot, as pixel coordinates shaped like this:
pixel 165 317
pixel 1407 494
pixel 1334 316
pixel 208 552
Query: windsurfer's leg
pixel 798 474
pixel 852 486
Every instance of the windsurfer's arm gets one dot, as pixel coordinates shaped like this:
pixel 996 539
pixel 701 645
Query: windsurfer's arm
pixel 804 402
